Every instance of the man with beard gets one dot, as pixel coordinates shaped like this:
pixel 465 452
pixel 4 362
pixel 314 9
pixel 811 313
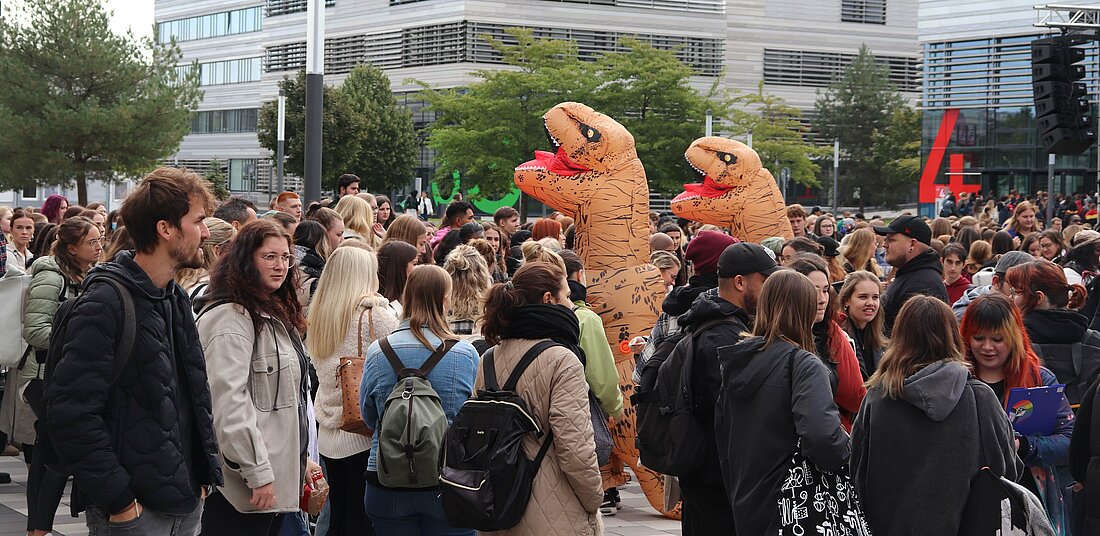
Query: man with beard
pixel 136 428
pixel 718 320
pixel 917 267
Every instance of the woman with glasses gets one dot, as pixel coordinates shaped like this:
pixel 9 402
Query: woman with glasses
pixel 54 279
pixel 250 324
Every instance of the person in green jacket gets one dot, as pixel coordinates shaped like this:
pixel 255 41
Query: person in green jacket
pixel 599 367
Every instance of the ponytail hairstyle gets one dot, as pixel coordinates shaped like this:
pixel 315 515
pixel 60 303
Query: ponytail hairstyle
pixel 538 252
pixel 71 232
pixel 470 280
pixel 422 303
pixel 1046 277
pixel 995 314
pixel 530 283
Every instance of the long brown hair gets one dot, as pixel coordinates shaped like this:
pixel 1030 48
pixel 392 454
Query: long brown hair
pixel 422 303
pixel 530 283
pixel 934 337
pixel 235 277
pixel 70 233
pixel 859 251
pixel 873 331
pixel 393 261
pixel 1049 278
pixel 786 310
pixel 806 264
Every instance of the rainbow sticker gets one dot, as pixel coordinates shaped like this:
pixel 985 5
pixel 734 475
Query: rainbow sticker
pixel 1021 411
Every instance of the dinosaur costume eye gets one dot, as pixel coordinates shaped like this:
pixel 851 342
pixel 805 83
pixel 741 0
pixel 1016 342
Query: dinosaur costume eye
pixel 589 133
pixel 727 158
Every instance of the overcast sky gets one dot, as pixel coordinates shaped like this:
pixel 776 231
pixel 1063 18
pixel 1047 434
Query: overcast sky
pixel 137 15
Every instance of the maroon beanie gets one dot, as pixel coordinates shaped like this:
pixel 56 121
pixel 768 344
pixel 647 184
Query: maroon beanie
pixel 703 250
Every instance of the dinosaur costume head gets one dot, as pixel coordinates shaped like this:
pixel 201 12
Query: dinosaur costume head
pixel 735 191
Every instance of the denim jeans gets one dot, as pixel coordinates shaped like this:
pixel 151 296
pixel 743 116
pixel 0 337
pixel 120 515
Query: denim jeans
pixel 295 524
pixel 408 513
pixel 149 523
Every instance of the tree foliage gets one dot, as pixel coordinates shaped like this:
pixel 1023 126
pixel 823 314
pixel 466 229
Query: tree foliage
pixel 488 127
pixel 80 102
pixel 896 152
pixel 857 105
pixel 219 180
pixel 778 135
pixel 391 148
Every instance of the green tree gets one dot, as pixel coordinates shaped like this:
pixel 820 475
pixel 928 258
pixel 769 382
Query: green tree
pixel 219 180
pixel 855 106
pixel 778 135
pixel 484 130
pixel 648 91
pixel 896 153
pixel 80 102
pixel 344 131
pixel 391 148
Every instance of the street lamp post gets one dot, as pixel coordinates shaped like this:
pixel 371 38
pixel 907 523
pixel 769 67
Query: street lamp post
pixel 281 141
pixel 315 81
pixel 836 175
pixel 710 122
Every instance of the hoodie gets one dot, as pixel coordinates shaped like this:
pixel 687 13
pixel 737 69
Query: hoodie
pixel 677 302
pixel 913 457
pixel 772 398
pixel 959 307
pixel 923 274
pixel 1055 326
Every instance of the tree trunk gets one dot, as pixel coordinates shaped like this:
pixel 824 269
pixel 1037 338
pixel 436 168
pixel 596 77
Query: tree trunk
pixel 82 190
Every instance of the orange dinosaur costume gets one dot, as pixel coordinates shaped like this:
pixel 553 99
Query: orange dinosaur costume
pixel 736 191
pixel 595 177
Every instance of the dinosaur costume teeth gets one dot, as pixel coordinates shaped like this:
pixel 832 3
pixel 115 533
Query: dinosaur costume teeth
pixel 595 176
pixel 734 191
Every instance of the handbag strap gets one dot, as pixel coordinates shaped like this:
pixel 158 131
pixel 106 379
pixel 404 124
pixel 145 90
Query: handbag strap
pixel 359 332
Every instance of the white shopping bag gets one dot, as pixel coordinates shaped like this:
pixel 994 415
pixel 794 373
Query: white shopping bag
pixel 13 303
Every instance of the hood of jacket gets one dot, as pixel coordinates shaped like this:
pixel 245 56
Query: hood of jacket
pixel 747 364
pixel 929 260
pixel 133 276
pixel 45 264
pixel 936 389
pixel 680 299
pixel 1055 326
pixel 709 305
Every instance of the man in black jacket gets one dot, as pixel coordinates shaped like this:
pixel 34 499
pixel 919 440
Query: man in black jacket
pixel 917 267
pixel 742 269
pixel 142 449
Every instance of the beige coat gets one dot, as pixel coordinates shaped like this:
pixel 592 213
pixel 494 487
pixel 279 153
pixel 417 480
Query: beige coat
pixel 255 388
pixel 567 492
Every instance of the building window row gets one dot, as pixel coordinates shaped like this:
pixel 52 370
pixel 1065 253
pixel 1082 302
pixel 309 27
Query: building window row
pixel 691 6
pixel 809 68
pixel 461 42
pixel 225 121
pixel 239 21
pixel 863 11
pixel 285 7
pixel 217 73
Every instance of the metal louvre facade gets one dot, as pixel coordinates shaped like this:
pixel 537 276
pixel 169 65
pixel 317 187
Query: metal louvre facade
pixel 817 68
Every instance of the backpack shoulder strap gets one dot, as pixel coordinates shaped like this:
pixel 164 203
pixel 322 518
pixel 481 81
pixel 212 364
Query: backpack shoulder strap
pixel 195 292
pixel 437 356
pixel 711 323
pixel 124 347
pixel 490 371
pixel 525 361
pixel 391 356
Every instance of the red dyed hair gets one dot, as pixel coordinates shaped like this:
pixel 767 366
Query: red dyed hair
pixel 1046 277
pixel 996 314
pixel 546 228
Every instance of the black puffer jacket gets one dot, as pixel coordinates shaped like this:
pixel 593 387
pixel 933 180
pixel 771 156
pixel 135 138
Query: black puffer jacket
pixel 1084 456
pixel 921 275
pixel 128 442
pixel 772 397
pixel 706 378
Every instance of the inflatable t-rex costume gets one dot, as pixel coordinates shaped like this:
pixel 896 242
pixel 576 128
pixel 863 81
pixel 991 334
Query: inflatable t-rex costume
pixel 735 191
pixel 595 177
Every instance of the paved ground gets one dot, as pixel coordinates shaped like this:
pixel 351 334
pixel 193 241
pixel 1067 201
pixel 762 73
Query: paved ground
pixel 635 519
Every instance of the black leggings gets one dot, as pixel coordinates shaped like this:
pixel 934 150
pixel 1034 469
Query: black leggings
pixel 345 495
pixel 44 490
pixel 219 518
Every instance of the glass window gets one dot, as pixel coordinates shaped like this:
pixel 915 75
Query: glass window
pixel 212 25
pixel 29 193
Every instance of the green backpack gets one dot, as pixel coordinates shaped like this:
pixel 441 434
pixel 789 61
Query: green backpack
pixel 410 437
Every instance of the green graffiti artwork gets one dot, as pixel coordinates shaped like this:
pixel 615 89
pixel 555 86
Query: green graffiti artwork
pixel 487 206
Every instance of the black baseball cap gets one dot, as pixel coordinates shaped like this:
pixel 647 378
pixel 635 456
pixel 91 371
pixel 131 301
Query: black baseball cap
pixel 911 226
pixel 745 258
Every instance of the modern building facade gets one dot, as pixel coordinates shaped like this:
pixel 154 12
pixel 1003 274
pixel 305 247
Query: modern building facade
pixel 979 129
pixel 244 47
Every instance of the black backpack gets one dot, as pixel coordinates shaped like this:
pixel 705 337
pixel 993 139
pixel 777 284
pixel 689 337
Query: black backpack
pixel 484 476
pixel 1077 365
pixel 124 347
pixel 670 439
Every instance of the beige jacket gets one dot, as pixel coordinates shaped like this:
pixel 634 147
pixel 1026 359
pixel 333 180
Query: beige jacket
pixel 255 388
pixel 331 441
pixel 567 492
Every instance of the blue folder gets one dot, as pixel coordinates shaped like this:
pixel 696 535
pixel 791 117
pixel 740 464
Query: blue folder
pixel 1033 410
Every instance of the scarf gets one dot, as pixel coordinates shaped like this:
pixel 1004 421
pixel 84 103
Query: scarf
pixel 544 321
pixel 577 291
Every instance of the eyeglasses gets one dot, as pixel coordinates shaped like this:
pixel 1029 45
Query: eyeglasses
pixel 272 260
pixel 1014 292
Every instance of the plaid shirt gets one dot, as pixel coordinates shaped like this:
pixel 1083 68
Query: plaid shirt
pixel 666 327
pixel 462 327
pixel 3 254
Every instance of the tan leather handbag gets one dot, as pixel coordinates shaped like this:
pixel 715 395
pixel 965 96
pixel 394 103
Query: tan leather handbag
pixel 348 374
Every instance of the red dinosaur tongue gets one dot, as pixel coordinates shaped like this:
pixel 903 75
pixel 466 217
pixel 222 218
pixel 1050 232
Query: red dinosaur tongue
pixel 707 189
pixel 558 164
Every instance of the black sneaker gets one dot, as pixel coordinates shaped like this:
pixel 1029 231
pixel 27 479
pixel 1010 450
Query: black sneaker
pixel 609 507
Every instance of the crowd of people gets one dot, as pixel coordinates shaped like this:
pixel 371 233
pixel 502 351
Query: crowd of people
pixel 209 392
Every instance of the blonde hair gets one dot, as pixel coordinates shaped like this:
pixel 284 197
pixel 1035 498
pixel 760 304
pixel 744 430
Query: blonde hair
pixel 859 251
pixel 423 303
pixel 358 217
pixel 220 233
pixel 470 280
pixel 910 350
pixel 979 254
pixel 664 260
pixel 350 277
pixel 539 252
pixel 786 310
